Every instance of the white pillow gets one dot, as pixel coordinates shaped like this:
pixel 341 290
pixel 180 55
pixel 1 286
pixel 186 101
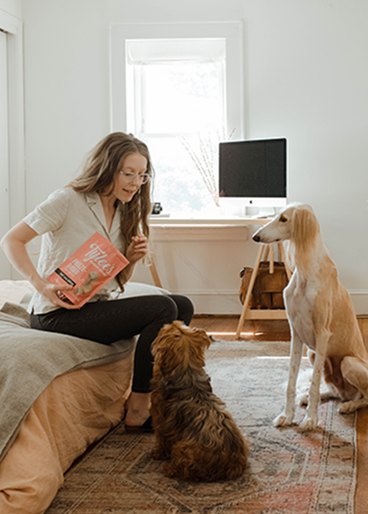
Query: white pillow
pixel 137 289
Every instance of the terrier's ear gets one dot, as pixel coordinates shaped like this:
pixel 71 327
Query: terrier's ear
pixel 206 340
pixel 159 342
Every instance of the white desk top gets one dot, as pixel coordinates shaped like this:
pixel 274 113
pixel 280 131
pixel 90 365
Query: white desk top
pixel 162 221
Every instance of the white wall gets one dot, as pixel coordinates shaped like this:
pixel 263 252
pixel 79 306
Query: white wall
pixel 12 7
pixel 305 79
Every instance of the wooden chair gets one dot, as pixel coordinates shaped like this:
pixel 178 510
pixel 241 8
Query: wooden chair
pixel 265 252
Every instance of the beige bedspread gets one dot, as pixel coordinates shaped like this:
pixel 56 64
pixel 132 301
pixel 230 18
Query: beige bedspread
pixel 31 359
pixel 75 410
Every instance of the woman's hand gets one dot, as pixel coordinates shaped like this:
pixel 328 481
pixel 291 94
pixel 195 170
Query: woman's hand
pixel 54 293
pixel 137 249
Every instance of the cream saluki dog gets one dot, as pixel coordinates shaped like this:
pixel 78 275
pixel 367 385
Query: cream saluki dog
pixel 321 316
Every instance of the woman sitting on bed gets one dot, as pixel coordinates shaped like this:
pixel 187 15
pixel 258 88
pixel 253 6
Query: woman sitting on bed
pixel 110 196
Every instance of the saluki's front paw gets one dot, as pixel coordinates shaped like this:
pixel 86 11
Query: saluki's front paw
pixel 347 407
pixel 308 424
pixel 283 420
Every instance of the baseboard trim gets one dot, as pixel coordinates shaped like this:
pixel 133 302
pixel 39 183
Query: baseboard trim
pixel 227 302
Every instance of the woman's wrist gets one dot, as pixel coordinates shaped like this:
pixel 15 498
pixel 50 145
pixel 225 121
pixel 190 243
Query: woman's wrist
pixel 38 282
pixel 128 271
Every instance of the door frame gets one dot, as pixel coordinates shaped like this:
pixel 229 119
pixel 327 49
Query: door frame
pixel 13 27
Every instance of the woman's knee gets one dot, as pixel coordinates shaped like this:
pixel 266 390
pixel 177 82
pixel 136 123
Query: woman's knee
pixel 185 308
pixel 168 308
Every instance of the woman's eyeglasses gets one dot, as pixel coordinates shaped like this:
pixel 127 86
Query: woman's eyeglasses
pixel 132 177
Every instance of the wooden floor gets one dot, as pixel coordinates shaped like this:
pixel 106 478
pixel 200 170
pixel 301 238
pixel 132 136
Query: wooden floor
pixel 224 327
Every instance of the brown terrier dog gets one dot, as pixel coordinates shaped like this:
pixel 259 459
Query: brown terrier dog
pixel 193 430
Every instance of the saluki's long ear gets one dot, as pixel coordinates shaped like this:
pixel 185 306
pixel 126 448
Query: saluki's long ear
pixel 304 228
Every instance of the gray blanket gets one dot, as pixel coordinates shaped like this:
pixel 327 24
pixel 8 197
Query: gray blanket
pixel 30 359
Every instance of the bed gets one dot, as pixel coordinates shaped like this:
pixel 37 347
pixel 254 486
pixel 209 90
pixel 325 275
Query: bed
pixel 58 395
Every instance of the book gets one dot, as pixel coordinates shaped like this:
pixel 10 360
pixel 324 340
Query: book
pixel 93 264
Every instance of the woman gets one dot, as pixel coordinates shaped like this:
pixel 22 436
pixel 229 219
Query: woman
pixel 110 196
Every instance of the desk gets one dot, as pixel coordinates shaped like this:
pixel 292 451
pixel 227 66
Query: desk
pixel 265 251
pixel 164 221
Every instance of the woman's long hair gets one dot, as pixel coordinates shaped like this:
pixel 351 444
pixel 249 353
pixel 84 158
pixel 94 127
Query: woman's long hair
pixel 98 176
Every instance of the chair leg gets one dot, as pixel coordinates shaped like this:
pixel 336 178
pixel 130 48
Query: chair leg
pixel 154 273
pixel 261 252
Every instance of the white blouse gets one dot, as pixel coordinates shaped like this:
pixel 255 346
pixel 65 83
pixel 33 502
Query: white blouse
pixel 65 220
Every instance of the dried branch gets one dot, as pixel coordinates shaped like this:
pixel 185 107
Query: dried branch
pixel 203 151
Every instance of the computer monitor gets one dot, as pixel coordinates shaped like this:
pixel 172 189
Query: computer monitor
pixel 252 173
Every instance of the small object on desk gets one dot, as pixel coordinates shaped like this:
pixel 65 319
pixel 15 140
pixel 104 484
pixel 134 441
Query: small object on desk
pixel 156 208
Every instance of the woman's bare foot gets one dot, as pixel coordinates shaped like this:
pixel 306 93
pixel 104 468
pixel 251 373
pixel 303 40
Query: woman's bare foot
pixel 138 409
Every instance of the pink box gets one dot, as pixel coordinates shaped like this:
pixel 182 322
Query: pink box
pixel 96 262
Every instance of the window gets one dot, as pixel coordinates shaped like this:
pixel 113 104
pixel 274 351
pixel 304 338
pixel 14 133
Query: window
pixel 178 87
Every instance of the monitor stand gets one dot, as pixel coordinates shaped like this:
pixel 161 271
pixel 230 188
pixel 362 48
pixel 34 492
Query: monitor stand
pixel 259 211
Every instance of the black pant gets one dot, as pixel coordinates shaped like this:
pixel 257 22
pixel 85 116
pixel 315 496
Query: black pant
pixel 109 321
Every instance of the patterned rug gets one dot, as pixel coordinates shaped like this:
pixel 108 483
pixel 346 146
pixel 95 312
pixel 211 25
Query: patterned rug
pixel 289 472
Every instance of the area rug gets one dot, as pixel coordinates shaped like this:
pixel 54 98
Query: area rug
pixel 289 472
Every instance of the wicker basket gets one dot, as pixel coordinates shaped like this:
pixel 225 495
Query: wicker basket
pixel 268 287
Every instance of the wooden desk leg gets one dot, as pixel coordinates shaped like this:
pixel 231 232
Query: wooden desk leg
pixel 271 259
pixel 253 276
pixel 154 273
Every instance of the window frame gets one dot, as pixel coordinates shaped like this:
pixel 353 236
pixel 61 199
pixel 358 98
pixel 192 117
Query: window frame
pixel 231 31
